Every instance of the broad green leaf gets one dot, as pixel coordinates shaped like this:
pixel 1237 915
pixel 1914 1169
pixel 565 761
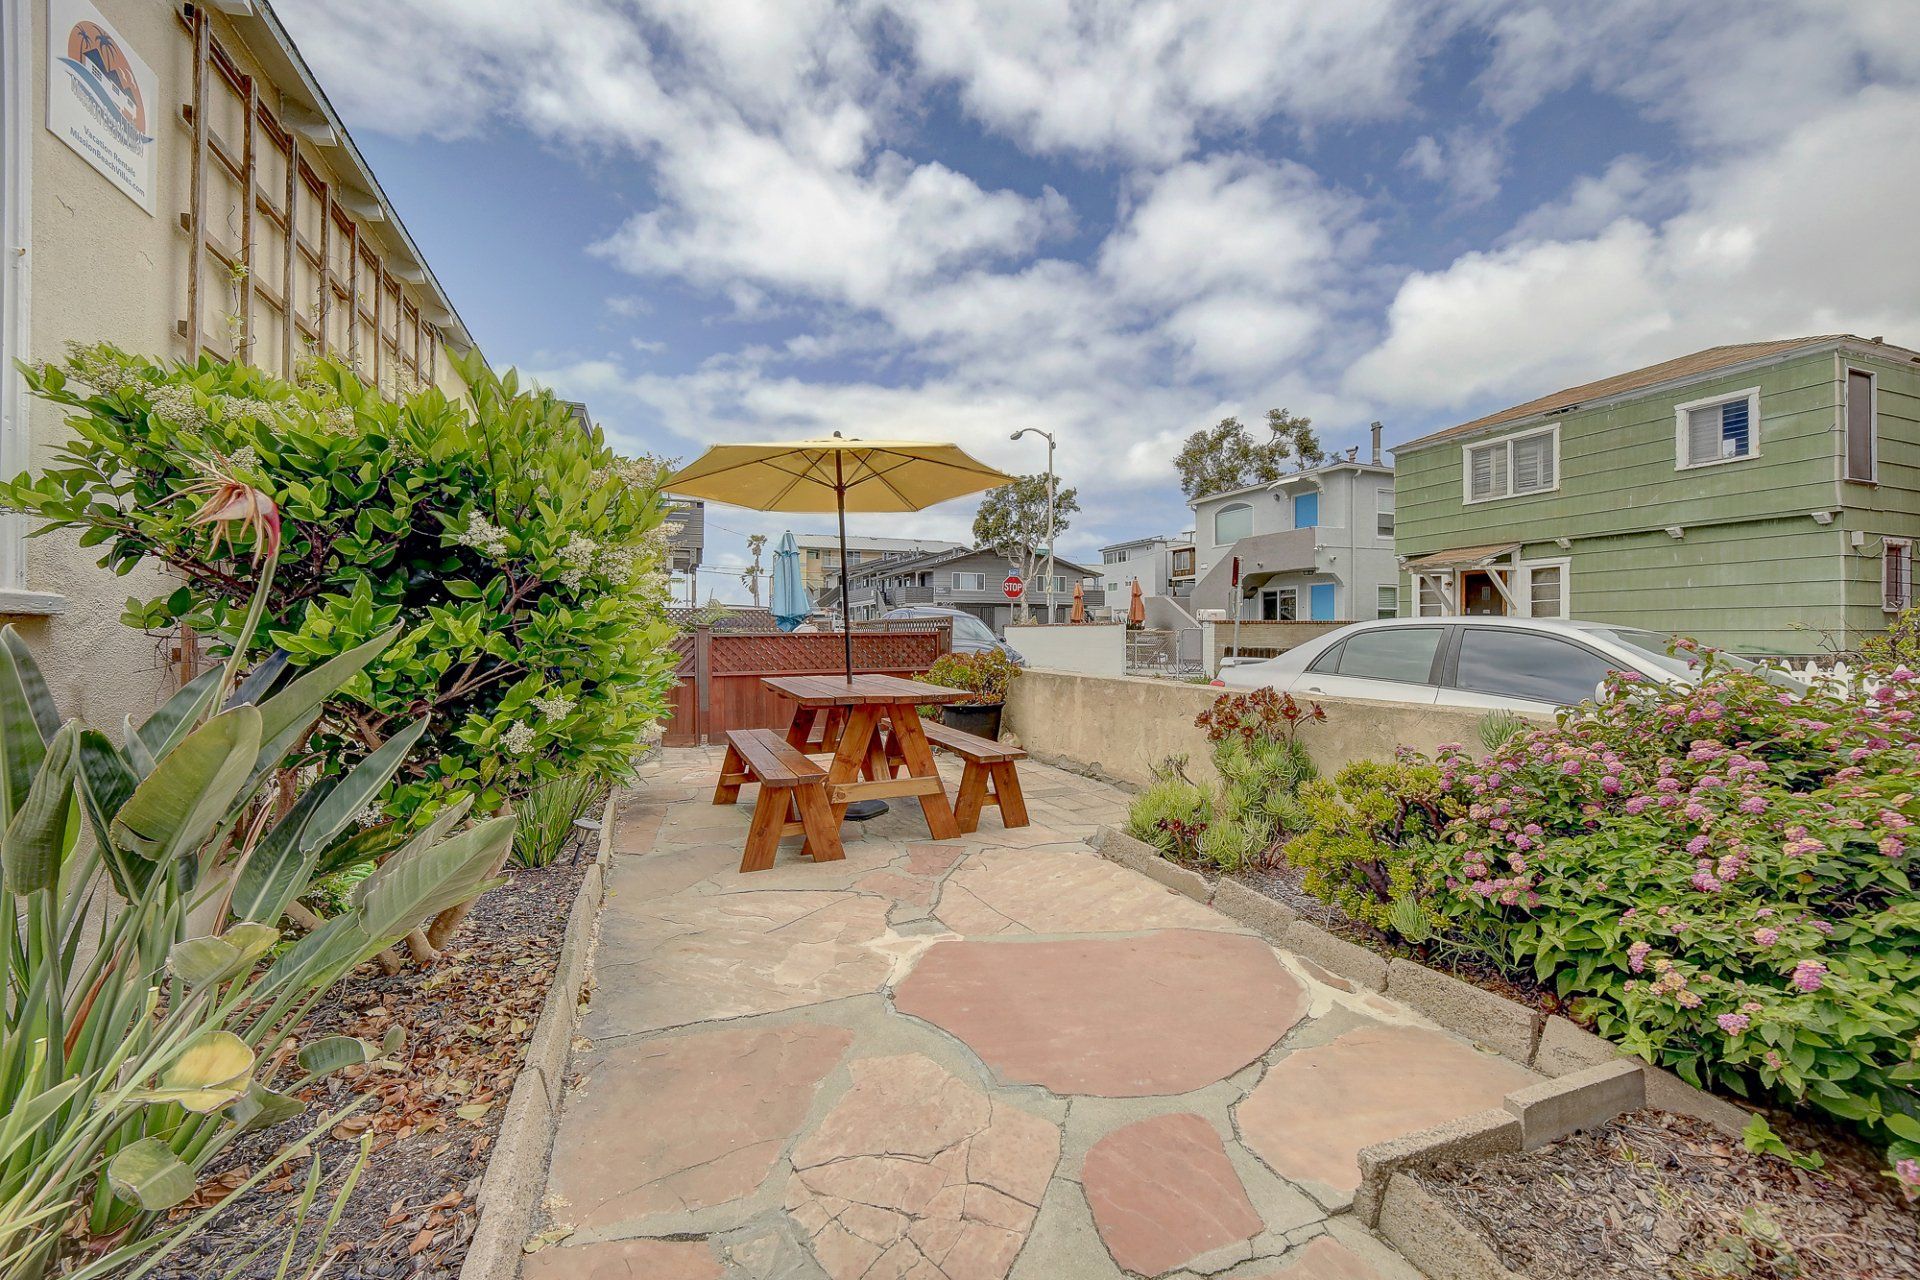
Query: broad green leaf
pixel 21 746
pixel 254 687
pixel 213 1071
pixel 333 1053
pixel 279 868
pixel 178 806
pixel 301 700
pixel 106 783
pixel 33 685
pixel 36 838
pixel 362 783
pixel 261 1108
pixel 199 961
pixel 150 1175
pixel 176 716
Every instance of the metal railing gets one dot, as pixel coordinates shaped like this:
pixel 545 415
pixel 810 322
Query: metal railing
pixel 1170 652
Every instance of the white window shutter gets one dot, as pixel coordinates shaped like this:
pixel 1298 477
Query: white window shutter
pixel 1703 434
pixel 1533 463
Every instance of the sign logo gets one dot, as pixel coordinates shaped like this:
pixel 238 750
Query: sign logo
pixel 98 95
pixel 1012 587
pixel 95 59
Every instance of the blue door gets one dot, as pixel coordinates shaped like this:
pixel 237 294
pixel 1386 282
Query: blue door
pixel 1306 511
pixel 1320 602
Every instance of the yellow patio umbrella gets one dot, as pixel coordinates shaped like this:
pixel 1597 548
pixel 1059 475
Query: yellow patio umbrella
pixel 837 475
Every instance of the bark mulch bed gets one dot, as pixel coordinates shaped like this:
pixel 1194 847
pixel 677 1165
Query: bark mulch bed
pixel 433 1111
pixel 1282 883
pixel 1659 1195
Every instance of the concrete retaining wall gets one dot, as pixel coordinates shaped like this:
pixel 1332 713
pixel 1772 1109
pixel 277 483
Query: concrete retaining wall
pixel 1122 726
pixel 1091 648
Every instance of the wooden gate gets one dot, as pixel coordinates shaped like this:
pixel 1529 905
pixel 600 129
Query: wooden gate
pixel 720 672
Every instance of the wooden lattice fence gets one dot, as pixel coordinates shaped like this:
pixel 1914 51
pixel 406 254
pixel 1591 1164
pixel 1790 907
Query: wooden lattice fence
pixel 720 672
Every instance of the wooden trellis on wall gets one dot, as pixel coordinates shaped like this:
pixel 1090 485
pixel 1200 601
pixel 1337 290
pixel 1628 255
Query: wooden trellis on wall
pixel 279 261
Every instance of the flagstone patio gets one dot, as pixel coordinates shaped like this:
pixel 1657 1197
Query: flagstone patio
pixel 1000 1057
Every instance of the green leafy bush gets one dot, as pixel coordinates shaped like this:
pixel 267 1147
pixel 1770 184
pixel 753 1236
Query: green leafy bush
pixel 516 553
pixel 1368 844
pixel 987 675
pixel 133 1033
pixel 1720 876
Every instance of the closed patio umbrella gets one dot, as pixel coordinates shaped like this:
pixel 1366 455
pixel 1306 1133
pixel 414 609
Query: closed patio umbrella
pixel 836 475
pixel 790 602
pixel 1137 607
pixel 1079 613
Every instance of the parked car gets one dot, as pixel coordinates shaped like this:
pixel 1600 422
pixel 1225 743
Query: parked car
pixel 1517 664
pixel 970 635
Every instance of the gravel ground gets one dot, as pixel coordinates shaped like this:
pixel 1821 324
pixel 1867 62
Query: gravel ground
pixel 1660 1195
pixel 432 1117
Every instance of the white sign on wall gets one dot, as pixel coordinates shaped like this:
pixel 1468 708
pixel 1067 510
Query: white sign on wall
pixel 102 100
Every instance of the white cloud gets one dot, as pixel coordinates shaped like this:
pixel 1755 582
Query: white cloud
pixel 1761 250
pixel 1146 80
pixel 1468 165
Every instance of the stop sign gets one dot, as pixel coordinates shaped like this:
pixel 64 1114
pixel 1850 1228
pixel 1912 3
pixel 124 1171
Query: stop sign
pixel 1012 587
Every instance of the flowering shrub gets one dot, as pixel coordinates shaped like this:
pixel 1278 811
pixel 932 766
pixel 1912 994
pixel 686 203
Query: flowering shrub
pixel 1720 877
pixel 516 551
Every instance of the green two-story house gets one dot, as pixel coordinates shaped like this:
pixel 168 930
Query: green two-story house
pixel 1763 497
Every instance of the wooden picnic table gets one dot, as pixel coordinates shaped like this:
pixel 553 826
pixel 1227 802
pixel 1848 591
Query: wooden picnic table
pixel 848 715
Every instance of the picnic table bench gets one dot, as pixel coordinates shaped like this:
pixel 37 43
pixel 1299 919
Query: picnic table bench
pixel 792 800
pixel 988 776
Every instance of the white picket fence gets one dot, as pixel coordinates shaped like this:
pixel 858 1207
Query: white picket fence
pixel 1838 678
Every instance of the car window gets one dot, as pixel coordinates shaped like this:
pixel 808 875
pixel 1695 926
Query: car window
pixel 1391 653
pixel 967 627
pixel 1526 664
pixel 1329 662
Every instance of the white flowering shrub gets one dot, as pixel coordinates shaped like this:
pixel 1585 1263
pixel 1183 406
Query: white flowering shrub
pixel 522 558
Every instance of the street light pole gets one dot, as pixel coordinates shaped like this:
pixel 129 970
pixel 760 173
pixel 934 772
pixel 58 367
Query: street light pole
pixel 1050 509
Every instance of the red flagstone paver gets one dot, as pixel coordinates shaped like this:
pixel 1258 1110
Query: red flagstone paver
pixel 1315 1108
pixel 1163 1193
pixel 1322 1258
pixel 625 1260
pixel 687 1122
pixel 915 1173
pixel 1119 1017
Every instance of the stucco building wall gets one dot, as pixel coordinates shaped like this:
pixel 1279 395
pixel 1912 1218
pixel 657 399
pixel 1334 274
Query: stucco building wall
pixel 99 267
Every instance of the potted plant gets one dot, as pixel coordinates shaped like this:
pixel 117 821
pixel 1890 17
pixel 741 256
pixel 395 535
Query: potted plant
pixel 986 676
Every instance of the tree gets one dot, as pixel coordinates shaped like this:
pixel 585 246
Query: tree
pixel 1012 522
pixel 1226 456
pixel 756 543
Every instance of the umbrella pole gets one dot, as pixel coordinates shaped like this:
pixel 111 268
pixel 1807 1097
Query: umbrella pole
pixel 846 609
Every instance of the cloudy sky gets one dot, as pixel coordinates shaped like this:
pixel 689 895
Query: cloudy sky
pixel 745 219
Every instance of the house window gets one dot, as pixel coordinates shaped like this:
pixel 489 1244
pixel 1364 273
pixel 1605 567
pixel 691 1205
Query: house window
pixel 1182 563
pixel 1389 606
pixel 1546 587
pixel 1896 575
pixel 1511 467
pixel 1306 511
pixel 1428 602
pixel 1280 605
pixel 969 581
pixel 1232 523
pixel 1861 461
pixel 1383 509
pixel 1112 557
pixel 1720 429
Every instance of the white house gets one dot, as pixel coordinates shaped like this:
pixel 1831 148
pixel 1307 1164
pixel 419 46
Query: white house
pixel 1315 545
pixel 1162 564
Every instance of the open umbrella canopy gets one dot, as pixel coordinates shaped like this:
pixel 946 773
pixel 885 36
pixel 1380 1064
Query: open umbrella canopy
pixel 790 602
pixel 835 475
